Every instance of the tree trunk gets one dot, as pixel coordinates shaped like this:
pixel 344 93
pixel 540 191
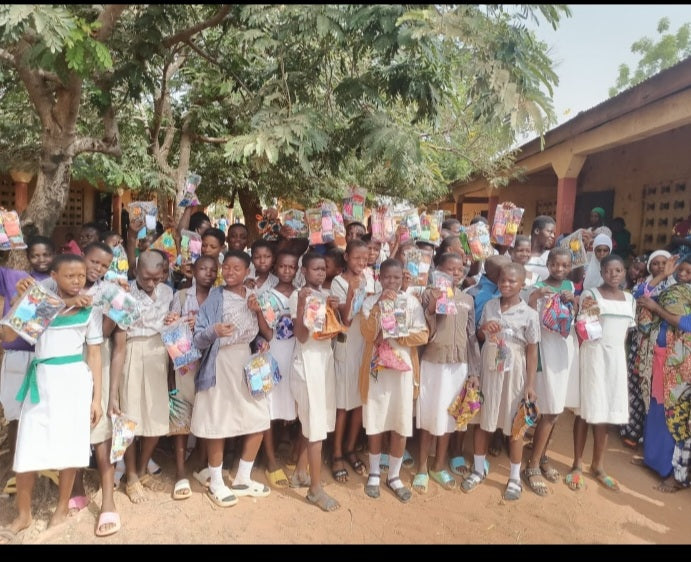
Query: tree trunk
pixel 251 207
pixel 183 166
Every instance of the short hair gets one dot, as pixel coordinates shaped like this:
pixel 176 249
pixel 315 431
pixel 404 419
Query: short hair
pixel 217 233
pixel 239 254
pixel 287 253
pixel 196 220
pixel 610 258
pixel 388 264
pixel 61 259
pixel 448 223
pixel 108 234
pixel 310 257
pixel 443 258
pixel 445 244
pixel 37 240
pixel 91 226
pixel 98 246
pixel 354 244
pixel 356 223
pixel 513 266
pixel 521 239
pixel 479 218
pixel 620 221
pixel 559 251
pixel 238 225
pixel 204 258
pixel 541 222
pixel 262 243
pixel 151 259
pixel 163 255
pixel 336 254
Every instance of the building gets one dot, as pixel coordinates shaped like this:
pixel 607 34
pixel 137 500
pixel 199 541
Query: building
pixel 630 155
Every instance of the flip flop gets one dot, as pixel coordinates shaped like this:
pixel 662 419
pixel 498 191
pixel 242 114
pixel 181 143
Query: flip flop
pixel 253 489
pixel 296 482
pixel 223 497
pixel 135 492
pixel 323 500
pixel 277 478
pixel 202 477
pixel 180 486
pixel 106 518
pixel 421 482
pixel 458 466
pixel 443 478
pixel 575 480
pixel 606 480
pixel 77 503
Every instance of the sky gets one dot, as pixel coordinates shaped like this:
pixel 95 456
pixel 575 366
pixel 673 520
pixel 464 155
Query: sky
pixel 588 48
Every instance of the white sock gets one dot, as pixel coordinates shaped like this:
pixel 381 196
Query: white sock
pixel 216 477
pixel 479 463
pixel 394 470
pixel 244 473
pixel 515 471
pixel 373 469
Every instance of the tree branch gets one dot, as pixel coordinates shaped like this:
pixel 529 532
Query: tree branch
pixel 6 56
pixel 108 18
pixel 201 53
pixel 211 140
pixel 185 34
pixel 109 144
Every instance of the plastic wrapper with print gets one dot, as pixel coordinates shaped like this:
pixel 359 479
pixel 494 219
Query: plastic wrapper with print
pixel 179 414
pixel 574 243
pixel 146 211
pixel 261 374
pixel 315 312
pixel 506 223
pixel 166 243
pixel 383 227
pixel 123 436
pixel 117 271
pixel 33 313
pixel 190 247
pixel 271 306
pixel 337 226
pixel 430 226
pixel 11 237
pixel 296 221
pixel 465 406
pixel 418 263
pixel 354 204
pixel 479 241
pixel 177 337
pixel 445 303
pixel 393 317
pixel 121 307
pixel 189 198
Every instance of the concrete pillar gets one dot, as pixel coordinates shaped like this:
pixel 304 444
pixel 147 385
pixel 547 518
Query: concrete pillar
pixel 566 204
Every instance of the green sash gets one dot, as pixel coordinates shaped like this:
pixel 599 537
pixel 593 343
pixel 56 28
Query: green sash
pixel 30 384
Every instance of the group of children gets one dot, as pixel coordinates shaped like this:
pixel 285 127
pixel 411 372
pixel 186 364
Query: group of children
pixel 345 363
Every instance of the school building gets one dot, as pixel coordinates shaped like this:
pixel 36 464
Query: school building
pixel 629 155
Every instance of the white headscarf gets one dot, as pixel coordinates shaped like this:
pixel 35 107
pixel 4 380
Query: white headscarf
pixel 665 282
pixel 593 279
pixel 654 255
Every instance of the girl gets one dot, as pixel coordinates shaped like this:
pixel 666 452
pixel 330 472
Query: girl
pixel 213 242
pixel 228 320
pixel 261 279
pixel 388 401
pixel 349 288
pixel 451 356
pixel 557 383
pixel 237 237
pixel 313 384
pixel 282 346
pixel 658 279
pixel 604 394
pixel 602 246
pixel 19 353
pixel 541 242
pixel 61 397
pixel 521 253
pixel 335 265
pixel 510 325
pixel 186 305
pixel 373 258
pixel 450 244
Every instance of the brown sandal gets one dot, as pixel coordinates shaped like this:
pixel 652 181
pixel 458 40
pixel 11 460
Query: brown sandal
pixel 135 491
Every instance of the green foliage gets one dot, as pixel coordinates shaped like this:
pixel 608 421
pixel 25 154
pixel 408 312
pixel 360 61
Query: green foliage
pixel 669 49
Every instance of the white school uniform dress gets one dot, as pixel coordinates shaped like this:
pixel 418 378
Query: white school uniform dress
pixel 54 432
pixel 348 353
pixel 604 386
pixel 313 382
pixel 282 347
pixel 389 405
pixel 557 384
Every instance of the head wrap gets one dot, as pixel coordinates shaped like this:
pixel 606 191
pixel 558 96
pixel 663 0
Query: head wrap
pixel 654 255
pixel 602 240
pixel 600 211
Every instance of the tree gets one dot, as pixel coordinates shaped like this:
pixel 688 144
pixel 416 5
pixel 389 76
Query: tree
pixel 655 56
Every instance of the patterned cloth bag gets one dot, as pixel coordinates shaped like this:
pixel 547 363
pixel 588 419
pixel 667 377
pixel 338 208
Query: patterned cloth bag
pixel 557 315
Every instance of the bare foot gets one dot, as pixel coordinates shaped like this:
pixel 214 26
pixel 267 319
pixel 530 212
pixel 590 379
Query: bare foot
pixel 59 517
pixel 7 534
pixel 669 485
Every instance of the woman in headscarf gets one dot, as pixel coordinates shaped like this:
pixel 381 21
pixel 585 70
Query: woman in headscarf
pixel 602 246
pixel 597 218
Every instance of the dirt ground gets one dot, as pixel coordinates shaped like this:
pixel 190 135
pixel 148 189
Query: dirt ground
pixel 637 514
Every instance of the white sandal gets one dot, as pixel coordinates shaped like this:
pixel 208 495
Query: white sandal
pixel 253 489
pixel 180 485
pixel 223 497
pixel 203 477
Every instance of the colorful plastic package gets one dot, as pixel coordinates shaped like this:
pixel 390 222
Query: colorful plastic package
pixel 445 303
pixel 119 305
pixel 146 211
pixel 261 374
pixel 315 312
pixel 354 204
pixel 31 315
pixel 506 223
pixel 118 266
pixel 178 337
pixel 189 198
pixel 479 241
pixel 179 414
pixel 418 262
pixel 166 243
pixel 574 243
pixel 11 237
pixel 190 246
pixel 295 219
pixel 123 436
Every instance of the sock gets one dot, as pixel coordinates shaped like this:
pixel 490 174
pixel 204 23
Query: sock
pixel 373 469
pixel 394 470
pixel 479 463
pixel 243 475
pixel 515 472
pixel 216 477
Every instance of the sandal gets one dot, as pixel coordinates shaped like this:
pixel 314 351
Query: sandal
pixel 253 489
pixel 135 491
pixel 669 485
pixel 277 478
pixel 182 490
pixel 630 443
pixel 402 493
pixel 575 480
pixel 357 465
pixel 223 497
pixel 458 466
pixel 76 504
pixel 323 500
pixel 297 482
pixel 152 483
pixel 372 490
pixel 443 478
pixel 606 480
pixel 513 490
pixel 107 518
pixel 548 471
pixel 421 482
pixel 340 475
pixel 533 477
pixel 638 460
pixel 408 460
pixel 472 481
